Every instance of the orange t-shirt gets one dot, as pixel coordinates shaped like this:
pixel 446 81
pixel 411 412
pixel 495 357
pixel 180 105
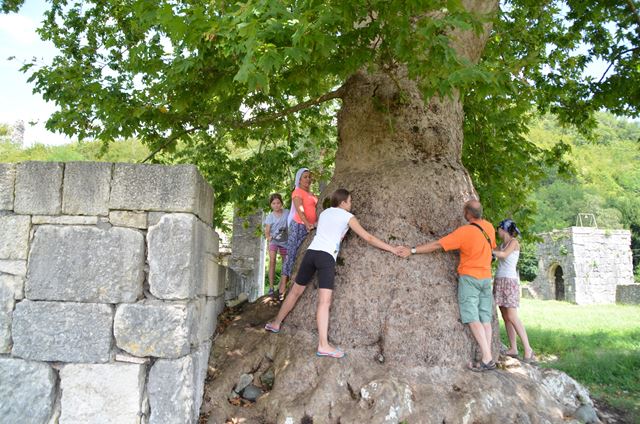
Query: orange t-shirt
pixel 309 202
pixel 475 252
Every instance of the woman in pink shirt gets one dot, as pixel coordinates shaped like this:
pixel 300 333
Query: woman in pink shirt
pixel 302 219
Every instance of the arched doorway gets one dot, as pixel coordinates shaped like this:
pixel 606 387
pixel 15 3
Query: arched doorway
pixel 558 279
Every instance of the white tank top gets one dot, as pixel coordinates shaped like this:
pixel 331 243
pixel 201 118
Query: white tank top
pixel 333 224
pixel 507 266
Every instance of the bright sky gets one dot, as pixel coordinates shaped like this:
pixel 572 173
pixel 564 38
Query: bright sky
pixel 18 38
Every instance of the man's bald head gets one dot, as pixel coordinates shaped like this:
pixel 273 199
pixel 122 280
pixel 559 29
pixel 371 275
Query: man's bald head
pixel 473 208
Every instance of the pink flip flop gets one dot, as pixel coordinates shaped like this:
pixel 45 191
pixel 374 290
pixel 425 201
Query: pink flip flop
pixel 271 328
pixel 335 354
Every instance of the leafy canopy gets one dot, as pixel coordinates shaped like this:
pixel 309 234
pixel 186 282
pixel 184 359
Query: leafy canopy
pixel 538 55
pixel 246 90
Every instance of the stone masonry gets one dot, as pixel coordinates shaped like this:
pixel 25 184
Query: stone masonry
pixel 628 294
pixel 583 265
pixel 247 261
pixel 110 290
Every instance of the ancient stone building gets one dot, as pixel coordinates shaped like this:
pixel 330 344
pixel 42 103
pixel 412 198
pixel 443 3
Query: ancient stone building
pixel 583 265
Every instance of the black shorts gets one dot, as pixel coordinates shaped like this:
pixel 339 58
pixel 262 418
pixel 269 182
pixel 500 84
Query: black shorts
pixel 316 260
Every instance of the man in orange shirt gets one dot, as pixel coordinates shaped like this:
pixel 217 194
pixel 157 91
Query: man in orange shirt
pixel 475 241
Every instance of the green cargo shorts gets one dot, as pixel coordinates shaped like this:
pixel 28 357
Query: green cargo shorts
pixel 475 299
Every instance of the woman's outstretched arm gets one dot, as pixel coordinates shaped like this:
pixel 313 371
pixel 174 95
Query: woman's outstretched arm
pixel 371 239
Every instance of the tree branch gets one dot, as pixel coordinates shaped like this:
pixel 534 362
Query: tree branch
pixel 293 109
pixel 257 121
pixel 168 141
pixel 614 61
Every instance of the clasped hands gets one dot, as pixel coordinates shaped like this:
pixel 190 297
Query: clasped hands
pixel 402 251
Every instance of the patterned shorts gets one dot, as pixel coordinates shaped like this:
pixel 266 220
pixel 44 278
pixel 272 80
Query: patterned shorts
pixel 506 292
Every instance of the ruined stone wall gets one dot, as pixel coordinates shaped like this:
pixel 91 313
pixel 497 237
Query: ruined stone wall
pixel 594 262
pixel 602 260
pixel 247 261
pixel 109 292
pixel 628 294
pixel 556 250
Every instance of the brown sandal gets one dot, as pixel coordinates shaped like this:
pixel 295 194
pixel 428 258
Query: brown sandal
pixel 530 360
pixel 482 367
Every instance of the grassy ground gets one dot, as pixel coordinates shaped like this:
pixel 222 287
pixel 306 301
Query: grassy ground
pixel 597 345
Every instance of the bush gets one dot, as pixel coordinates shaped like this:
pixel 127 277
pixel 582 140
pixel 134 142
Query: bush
pixel 528 262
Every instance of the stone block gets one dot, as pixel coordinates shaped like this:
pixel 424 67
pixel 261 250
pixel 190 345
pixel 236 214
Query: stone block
pixel 102 393
pixel 173 256
pixel 38 188
pixel 64 220
pixel 62 331
pixel 130 219
pixel 7 303
pixel 526 293
pixel 628 294
pixel 178 188
pixel 13 283
pixel 248 255
pixel 208 245
pixel 220 305
pixel 176 387
pixel 13 267
pixel 222 276
pixel 154 217
pixel 213 284
pixel 155 328
pixel 14 237
pixel 85 189
pixel 86 264
pixel 7 181
pixel 207 309
pixel 27 391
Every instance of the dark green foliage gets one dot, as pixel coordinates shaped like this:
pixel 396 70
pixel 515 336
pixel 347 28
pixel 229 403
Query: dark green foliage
pixel 7 6
pixel 247 90
pixel 528 262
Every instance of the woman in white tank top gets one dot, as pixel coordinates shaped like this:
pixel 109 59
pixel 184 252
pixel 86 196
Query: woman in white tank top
pixel 320 259
pixel 506 289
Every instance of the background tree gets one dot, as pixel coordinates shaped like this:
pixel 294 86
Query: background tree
pixel 202 75
pixel 604 178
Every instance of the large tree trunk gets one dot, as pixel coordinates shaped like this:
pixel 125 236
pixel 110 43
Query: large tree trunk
pixel 397 319
pixel 401 160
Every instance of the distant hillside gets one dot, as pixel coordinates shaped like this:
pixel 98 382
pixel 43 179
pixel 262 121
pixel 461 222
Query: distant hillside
pixel 605 180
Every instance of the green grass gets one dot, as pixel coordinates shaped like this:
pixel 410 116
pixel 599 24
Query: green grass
pixel 598 345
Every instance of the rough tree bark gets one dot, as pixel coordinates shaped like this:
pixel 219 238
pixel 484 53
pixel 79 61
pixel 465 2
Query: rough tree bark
pixel 397 319
pixel 402 160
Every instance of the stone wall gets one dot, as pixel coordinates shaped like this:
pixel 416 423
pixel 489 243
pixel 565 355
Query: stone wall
pixel 555 253
pixel 109 292
pixel 628 294
pixel 591 262
pixel 247 261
